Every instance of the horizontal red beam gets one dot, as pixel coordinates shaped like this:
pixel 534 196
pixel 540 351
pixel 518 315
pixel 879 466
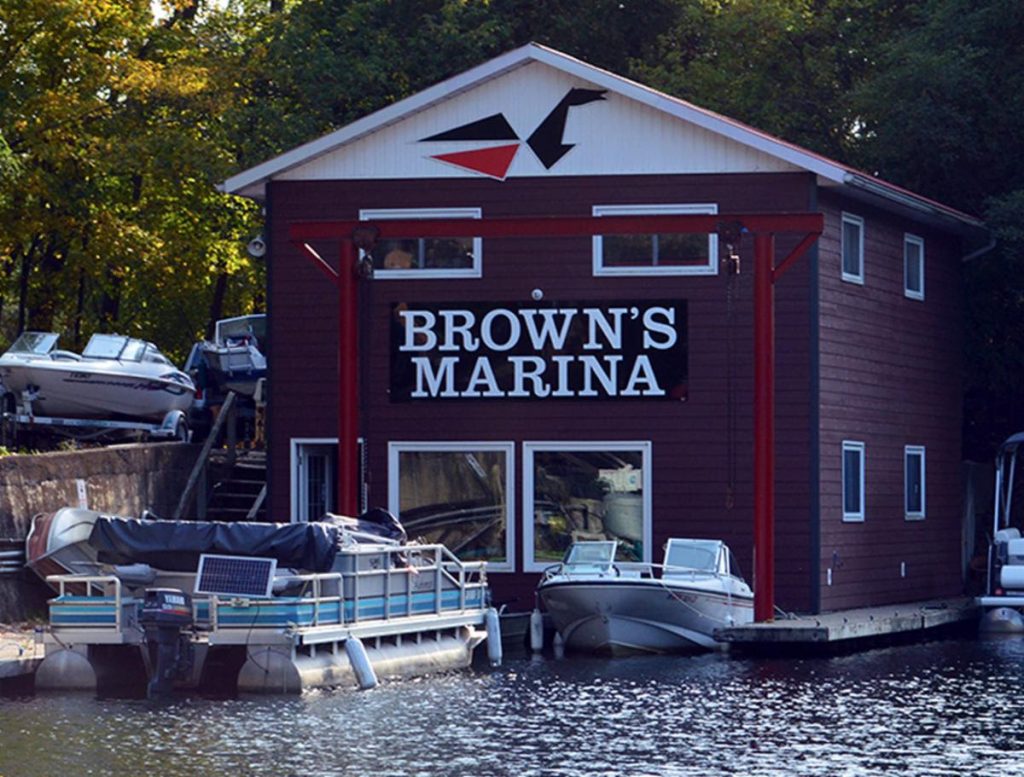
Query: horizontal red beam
pixel 562 226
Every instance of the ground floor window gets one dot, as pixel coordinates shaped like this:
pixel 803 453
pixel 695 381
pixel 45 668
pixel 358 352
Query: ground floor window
pixel 458 494
pixel 853 481
pixel 592 490
pixel 913 479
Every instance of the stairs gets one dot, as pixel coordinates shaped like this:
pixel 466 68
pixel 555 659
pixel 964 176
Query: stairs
pixel 237 486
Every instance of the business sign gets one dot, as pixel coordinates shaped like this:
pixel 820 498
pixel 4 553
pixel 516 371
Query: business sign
pixel 568 350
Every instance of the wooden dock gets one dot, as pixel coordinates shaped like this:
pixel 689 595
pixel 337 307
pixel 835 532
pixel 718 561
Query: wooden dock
pixel 846 627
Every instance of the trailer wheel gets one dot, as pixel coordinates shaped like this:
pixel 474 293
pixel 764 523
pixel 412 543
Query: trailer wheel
pixel 8 424
pixel 181 431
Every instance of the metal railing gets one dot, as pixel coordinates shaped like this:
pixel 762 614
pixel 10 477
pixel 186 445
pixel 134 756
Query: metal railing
pixel 394 582
pixel 197 478
pixel 94 595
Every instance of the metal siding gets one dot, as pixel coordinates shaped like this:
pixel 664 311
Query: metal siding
pixel 690 456
pixel 890 377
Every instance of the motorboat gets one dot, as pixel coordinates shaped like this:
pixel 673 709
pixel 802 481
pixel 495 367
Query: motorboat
pixel 232 360
pixel 251 607
pixel 114 377
pixel 1002 602
pixel 600 606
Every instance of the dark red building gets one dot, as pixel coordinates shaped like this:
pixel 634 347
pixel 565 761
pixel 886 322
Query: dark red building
pixel 515 393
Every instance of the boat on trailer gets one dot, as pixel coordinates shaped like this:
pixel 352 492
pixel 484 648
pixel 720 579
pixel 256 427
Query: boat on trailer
pixel 250 607
pixel 115 377
pixel 600 606
pixel 1002 603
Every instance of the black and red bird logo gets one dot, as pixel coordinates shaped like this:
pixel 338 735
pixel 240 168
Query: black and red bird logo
pixel 494 161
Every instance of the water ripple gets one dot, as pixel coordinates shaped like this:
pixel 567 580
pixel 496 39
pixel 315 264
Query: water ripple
pixel 936 708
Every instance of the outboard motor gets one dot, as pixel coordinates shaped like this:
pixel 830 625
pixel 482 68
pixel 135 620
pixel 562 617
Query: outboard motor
pixel 165 612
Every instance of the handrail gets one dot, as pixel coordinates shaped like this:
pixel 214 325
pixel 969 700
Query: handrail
pixel 467 576
pixel 257 504
pixel 200 465
pixel 87 581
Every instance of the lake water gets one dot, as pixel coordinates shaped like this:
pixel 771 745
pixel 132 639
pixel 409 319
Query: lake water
pixel 935 708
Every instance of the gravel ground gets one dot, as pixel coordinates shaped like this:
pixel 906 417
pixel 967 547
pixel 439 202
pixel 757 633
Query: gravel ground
pixel 18 641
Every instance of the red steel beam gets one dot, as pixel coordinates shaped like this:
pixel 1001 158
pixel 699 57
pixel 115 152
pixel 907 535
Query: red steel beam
pixel 348 378
pixel 559 226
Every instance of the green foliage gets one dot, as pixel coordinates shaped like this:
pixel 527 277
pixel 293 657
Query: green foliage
pixel 115 128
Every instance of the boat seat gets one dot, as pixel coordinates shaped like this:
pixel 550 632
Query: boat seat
pixel 1005 535
pixel 1015 552
pixel 1011 578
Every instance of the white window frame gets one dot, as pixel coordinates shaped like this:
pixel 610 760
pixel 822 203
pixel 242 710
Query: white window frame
pixel 696 208
pixel 855 447
pixel 568 446
pixel 913 240
pixel 908 451
pixel 297 486
pixel 395 449
pixel 386 214
pixel 849 218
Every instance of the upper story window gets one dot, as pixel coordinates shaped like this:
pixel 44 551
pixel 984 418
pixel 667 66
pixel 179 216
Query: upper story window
pixel 913 266
pixel 852 242
pixel 458 257
pixel 668 254
pixel 853 481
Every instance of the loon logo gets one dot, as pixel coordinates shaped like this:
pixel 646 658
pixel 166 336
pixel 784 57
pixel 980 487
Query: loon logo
pixel 494 161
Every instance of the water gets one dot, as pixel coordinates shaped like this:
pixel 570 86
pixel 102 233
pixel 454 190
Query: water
pixel 935 708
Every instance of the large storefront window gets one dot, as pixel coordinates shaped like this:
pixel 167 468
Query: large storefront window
pixel 583 491
pixel 458 494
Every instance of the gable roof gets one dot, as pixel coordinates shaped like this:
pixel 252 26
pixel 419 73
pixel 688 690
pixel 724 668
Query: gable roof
pixel 854 183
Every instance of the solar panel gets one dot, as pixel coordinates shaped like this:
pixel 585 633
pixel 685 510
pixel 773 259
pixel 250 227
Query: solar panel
pixel 235 575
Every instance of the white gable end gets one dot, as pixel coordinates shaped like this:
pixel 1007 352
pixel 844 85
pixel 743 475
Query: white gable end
pixel 615 135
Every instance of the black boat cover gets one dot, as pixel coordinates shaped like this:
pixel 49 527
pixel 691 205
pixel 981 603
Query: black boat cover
pixel 177 545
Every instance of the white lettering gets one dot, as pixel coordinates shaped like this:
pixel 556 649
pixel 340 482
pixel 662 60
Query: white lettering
pixel 482 374
pixel 563 389
pixel 414 331
pixel 547 331
pixel 666 328
pixel 487 329
pixel 523 373
pixel 608 378
pixel 643 373
pixel 454 330
pixel 596 319
pixel 425 373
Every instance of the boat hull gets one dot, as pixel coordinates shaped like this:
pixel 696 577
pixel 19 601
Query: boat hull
pixel 76 391
pixel 617 617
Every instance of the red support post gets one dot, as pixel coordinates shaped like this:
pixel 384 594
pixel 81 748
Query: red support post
pixel 764 427
pixel 348 382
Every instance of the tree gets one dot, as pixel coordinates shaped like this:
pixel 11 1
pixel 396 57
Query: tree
pixel 114 223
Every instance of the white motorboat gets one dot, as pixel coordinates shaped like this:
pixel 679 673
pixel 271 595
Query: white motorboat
pixel 599 606
pixel 232 361
pixel 1002 602
pixel 114 377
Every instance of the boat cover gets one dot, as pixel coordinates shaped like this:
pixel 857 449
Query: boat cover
pixel 177 545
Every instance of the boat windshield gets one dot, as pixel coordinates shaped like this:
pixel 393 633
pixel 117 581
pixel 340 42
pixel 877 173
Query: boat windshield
pixel 39 343
pixel 114 347
pixel 590 555
pixel 243 329
pixel 701 555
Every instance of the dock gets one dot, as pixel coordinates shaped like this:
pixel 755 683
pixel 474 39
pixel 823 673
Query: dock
pixel 848 629
pixel 20 656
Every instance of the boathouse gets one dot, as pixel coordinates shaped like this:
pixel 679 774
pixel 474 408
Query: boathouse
pixel 507 390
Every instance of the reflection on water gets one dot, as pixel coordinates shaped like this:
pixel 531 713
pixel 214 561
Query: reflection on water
pixel 936 708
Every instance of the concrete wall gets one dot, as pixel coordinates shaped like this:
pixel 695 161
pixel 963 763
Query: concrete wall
pixel 121 480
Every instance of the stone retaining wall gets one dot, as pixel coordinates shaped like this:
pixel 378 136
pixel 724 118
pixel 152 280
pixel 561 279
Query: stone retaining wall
pixel 120 479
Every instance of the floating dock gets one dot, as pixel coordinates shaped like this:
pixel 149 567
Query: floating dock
pixel 848 629
pixel 393 611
